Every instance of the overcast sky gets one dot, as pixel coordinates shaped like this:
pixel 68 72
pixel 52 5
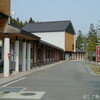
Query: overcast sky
pixel 81 12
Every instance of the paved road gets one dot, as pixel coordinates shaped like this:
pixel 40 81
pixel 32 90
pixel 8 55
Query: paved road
pixel 66 81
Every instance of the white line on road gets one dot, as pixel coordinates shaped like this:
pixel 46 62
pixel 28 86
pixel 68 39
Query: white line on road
pixel 90 70
pixel 13 82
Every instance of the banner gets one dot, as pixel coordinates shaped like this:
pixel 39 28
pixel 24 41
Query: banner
pixel 98 53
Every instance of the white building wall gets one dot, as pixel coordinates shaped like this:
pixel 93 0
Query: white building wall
pixel 55 38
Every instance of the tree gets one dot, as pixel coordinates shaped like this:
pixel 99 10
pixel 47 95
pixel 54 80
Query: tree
pixel 92 41
pixel 31 20
pixel 80 40
pixel 25 22
pixel 19 22
pixel 98 30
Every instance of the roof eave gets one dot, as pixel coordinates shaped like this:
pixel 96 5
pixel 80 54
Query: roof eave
pixel 29 34
pixel 1 13
pixel 11 29
pixel 48 31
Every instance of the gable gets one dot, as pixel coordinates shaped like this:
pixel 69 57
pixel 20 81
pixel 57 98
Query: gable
pixel 70 29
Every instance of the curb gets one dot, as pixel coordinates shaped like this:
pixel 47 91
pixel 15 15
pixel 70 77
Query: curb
pixel 91 71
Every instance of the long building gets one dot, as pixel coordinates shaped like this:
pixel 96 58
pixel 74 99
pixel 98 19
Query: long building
pixel 35 44
pixel 59 33
pixel 22 50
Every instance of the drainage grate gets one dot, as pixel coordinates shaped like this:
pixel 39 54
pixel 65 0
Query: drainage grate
pixel 28 94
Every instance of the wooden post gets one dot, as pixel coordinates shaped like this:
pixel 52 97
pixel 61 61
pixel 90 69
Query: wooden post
pixel 46 54
pixel 33 53
pixel 49 54
pixel 36 53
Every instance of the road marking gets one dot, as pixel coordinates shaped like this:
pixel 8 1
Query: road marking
pixel 13 82
pixel 90 70
pixel 18 95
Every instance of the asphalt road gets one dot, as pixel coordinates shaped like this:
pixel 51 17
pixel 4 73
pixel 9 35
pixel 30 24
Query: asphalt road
pixel 66 81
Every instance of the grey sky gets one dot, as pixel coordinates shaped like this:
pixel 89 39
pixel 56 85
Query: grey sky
pixel 81 12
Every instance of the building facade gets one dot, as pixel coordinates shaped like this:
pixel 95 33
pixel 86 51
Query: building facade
pixel 59 33
pixel 35 44
pixel 22 50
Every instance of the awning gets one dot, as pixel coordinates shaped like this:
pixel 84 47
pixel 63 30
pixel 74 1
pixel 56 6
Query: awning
pixel 16 32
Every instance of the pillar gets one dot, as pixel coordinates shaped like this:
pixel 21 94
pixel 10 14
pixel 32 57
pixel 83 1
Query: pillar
pixel 28 56
pixel 17 56
pixel 37 55
pixel 24 56
pixel 53 55
pixel 2 50
pixel 46 53
pixel 6 59
pixel 34 53
pixel 49 54
pixel 44 56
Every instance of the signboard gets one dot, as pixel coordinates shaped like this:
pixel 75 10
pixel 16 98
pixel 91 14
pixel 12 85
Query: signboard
pixel 98 53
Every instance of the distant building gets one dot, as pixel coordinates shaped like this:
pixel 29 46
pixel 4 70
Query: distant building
pixel 58 33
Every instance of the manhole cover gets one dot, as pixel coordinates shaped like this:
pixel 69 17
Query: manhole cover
pixel 28 94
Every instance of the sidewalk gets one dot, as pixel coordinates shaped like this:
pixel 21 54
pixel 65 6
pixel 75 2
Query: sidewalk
pixel 22 74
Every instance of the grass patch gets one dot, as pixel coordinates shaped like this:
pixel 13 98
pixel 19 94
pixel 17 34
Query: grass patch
pixel 95 68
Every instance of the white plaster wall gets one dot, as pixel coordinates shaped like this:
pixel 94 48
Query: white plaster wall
pixel 55 38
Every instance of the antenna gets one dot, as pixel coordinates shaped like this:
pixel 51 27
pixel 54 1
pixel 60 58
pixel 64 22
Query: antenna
pixel 12 13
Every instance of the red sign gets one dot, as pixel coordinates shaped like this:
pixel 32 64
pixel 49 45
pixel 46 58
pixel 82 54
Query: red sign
pixel 98 53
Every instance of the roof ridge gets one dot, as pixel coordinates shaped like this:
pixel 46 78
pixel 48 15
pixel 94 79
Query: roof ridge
pixel 51 22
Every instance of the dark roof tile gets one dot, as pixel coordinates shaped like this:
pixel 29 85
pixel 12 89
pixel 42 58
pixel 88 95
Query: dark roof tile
pixel 48 26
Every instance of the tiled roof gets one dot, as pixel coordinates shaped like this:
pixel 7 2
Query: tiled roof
pixel 49 26
pixel 9 28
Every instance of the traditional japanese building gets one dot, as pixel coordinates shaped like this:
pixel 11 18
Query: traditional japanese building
pixel 35 44
pixel 58 33
pixel 22 50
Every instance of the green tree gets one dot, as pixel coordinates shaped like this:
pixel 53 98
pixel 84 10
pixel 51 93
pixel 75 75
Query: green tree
pixel 98 29
pixel 31 20
pixel 85 43
pixel 25 22
pixel 17 22
pixel 80 40
pixel 92 41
